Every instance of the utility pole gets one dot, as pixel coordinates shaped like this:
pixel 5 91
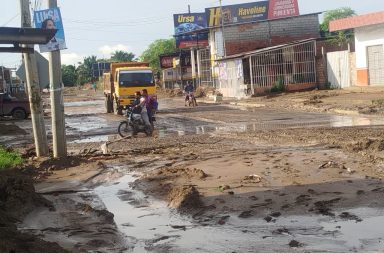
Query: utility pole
pixel 222 29
pixel 57 104
pixel 33 87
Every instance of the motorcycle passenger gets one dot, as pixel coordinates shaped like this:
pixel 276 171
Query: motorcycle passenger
pixel 143 106
pixel 151 106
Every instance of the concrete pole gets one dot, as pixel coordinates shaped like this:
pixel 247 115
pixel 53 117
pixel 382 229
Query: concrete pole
pixel 193 64
pixel 198 67
pixel 57 104
pixel 33 87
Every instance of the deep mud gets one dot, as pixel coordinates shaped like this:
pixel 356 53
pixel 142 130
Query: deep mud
pixel 17 199
pixel 242 180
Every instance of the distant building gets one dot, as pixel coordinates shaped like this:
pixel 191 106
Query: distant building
pixel 369 46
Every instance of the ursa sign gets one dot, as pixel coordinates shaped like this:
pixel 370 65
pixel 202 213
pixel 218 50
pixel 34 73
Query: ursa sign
pixel 51 19
pixel 188 22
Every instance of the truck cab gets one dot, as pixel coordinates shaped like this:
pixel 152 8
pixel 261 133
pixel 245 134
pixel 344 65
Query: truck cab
pixel 11 106
pixel 123 80
pixel 130 80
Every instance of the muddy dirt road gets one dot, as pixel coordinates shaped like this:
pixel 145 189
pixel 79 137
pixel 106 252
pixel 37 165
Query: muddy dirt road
pixel 215 178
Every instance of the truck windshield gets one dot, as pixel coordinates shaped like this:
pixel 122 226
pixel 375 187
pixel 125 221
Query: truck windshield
pixel 136 78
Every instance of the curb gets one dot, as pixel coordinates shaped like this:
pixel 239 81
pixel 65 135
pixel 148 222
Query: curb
pixel 248 104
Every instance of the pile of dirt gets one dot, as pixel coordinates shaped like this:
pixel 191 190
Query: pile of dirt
pixel 184 198
pixel 17 199
pixel 183 172
pixel 163 184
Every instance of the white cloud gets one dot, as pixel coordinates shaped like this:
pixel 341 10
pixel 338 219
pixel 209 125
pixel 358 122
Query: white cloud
pixel 108 50
pixel 68 59
pixel 71 58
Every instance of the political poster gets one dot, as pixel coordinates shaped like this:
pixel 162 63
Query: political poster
pixel 185 24
pixel 51 19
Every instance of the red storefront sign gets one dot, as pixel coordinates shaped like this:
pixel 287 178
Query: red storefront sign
pixel 283 9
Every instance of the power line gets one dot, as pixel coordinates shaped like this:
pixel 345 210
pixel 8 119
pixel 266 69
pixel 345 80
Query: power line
pixel 114 41
pixel 10 20
pixel 117 24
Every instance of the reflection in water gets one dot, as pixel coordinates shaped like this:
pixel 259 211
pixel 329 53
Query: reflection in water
pixel 187 126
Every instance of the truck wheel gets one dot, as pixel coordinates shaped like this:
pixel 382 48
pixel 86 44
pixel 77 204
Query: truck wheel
pixel 108 104
pixel 19 113
pixel 119 109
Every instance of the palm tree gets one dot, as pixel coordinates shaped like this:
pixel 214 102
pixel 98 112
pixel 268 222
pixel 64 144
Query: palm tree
pixel 121 56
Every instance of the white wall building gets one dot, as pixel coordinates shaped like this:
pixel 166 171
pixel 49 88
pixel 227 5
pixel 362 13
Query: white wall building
pixel 369 45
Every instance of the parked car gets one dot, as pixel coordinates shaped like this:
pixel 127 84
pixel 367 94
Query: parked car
pixel 11 106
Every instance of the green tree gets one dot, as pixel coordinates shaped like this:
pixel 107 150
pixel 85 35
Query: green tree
pixel 121 56
pixel 84 70
pixel 335 14
pixel 155 49
pixel 69 75
pixel 341 37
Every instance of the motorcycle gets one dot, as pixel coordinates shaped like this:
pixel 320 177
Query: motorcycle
pixel 134 124
pixel 191 99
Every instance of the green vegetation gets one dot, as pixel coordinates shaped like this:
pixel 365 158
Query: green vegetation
pixel 69 75
pixel 340 38
pixel 121 56
pixel 9 159
pixel 335 14
pixel 82 74
pixel 155 49
pixel 72 75
pixel 328 86
pixel 279 85
pixel 378 102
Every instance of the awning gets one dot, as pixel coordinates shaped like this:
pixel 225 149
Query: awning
pixel 16 36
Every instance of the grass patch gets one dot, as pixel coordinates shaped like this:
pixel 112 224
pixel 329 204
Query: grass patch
pixel 378 102
pixel 9 159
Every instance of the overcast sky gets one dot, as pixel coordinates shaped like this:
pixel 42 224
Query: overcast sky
pixel 95 27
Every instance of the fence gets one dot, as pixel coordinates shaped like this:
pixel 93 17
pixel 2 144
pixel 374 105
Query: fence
pixel 205 67
pixel 291 64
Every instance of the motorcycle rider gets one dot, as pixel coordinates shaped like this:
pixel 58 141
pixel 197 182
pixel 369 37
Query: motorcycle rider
pixel 143 105
pixel 136 110
pixel 188 90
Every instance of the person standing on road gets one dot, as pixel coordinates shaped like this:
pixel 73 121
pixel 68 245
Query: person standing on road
pixel 94 86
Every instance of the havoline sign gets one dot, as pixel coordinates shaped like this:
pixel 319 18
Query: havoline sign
pixel 188 22
pixel 250 12
pixel 239 13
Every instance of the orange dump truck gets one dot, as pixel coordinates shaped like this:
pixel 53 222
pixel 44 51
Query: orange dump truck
pixel 123 80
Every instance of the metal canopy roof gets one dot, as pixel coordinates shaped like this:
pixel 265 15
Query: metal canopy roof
pixel 16 36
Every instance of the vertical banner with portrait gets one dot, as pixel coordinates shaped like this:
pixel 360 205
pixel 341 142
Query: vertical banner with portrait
pixel 51 19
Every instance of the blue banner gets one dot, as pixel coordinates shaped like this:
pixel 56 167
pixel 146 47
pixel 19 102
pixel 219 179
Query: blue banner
pixel 51 19
pixel 188 22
